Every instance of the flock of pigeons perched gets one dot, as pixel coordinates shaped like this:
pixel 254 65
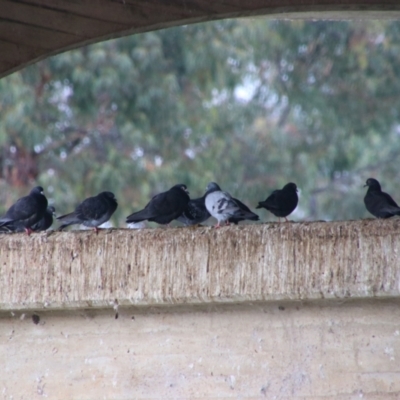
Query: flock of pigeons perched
pixel 32 213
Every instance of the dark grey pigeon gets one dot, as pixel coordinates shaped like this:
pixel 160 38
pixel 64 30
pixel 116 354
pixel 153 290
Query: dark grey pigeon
pixel 163 207
pixel 196 212
pixel 248 214
pixel 26 212
pixel 222 206
pixel 378 203
pixel 281 202
pixel 41 225
pixel 46 221
pixel 92 212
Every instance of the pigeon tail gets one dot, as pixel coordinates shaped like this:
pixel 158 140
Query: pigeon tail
pixel 5 222
pixel 69 219
pixel 245 215
pixel 139 216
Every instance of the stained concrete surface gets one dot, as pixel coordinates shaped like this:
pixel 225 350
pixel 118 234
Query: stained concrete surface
pixel 263 351
pixel 352 259
pixel 275 311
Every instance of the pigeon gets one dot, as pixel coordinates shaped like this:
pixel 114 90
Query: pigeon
pixel 222 206
pixel 163 207
pixel 378 203
pixel 46 221
pixel 196 212
pixel 281 202
pixel 251 216
pixel 92 212
pixel 26 212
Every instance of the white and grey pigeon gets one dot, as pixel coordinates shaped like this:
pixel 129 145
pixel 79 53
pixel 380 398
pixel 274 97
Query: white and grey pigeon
pixel 196 212
pixel 222 206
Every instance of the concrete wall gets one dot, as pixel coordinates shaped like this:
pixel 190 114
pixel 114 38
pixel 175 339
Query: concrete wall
pixel 276 311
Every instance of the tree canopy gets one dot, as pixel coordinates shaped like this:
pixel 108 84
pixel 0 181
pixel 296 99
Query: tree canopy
pixel 251 104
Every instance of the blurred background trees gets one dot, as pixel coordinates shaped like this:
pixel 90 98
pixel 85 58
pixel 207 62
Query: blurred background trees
pixel 251 104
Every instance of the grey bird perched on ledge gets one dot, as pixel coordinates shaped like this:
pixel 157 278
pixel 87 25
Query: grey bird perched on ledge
pixel 378 203
pixel 281 202
pixel 196 211
pixel 248 216
pixel 163 207
pixel 26 212
pixel 92 212
pixel 222 206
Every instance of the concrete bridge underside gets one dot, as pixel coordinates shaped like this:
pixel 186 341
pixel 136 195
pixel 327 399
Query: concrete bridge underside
pixel 31 30
pixel 285 311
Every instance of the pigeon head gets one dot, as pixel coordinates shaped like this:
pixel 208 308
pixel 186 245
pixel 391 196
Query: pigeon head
pixel 212 187
pixel 373 184
pixel 291 186
pixel 109 195
pixel 37 190
pixel 181 186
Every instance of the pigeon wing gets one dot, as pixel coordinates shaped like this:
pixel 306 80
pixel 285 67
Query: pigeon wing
pixel 23 209
pixel 271 202
pixel 243 213
pixel 389 200
pixel 154 208
pixel 92 208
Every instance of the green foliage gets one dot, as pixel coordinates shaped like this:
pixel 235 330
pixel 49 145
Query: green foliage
pixel 250 103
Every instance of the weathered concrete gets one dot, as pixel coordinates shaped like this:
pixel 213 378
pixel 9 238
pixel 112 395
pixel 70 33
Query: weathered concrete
pixel 31 30
pixel 267 351
pixel 275 311
pixel 290 261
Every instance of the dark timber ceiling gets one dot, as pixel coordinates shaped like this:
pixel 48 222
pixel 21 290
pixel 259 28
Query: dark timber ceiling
pixel 34 29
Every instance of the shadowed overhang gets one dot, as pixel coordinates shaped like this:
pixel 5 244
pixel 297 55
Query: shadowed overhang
pixel 31 30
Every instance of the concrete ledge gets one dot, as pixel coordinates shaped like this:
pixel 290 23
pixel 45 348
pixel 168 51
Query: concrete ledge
pixel 267 262
pixel 253 352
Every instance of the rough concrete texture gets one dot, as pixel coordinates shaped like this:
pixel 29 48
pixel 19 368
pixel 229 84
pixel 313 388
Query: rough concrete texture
pixel 265 351
pixel 275 311
pixel 353 259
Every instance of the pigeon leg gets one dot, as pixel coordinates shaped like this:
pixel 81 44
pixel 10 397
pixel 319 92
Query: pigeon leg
pixel 96 229
pixel 28 231
pixel 217 226
pixel 286 220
